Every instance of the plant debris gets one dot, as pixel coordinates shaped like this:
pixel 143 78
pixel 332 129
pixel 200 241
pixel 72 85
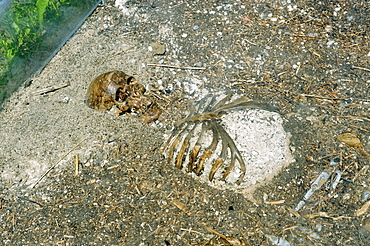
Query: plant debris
pixel 308 59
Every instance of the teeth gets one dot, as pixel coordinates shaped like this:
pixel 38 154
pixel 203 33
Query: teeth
pixel 227 146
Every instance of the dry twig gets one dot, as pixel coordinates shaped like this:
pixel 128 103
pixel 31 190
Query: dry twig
pixel 321 97
pixel 362 68
pixel 275 202
pixel 174 66
pixel 28 200
pixel 352 117
pixel 76 165
pixel 249 42
pixel 229 240
pixel 51 88
pixel 56 163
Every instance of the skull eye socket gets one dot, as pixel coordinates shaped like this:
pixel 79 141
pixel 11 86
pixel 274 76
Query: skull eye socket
pixel 121 94
pixel 130 79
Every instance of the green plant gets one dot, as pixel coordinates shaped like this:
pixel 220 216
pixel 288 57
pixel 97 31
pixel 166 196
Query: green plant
pixel 20 33
pixel 25 37
pixel 22 29
pixel 41 6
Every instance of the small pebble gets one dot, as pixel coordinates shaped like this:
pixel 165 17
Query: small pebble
pixel 365 196
pixel 157 49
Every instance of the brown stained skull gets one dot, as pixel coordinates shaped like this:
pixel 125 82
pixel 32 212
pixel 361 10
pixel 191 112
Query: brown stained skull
pixel 122 90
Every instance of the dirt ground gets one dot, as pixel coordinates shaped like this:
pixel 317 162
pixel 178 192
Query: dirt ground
pixel 309 59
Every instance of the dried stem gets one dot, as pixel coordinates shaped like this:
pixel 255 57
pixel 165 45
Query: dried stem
pixel 56 163
pixel 178 67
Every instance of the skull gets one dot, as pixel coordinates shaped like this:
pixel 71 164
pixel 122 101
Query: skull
pixel 122 90
pixel 109 89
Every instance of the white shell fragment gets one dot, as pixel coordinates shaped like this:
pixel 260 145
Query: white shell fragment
pixel 258 135
pixel 330 178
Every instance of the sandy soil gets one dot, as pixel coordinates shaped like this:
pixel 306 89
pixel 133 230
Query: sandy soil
pixel 309 59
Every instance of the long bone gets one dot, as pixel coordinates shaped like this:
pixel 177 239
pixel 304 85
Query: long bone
pixel 234 152
pixel 197 147
pixel 173 141
pixel 184 146
pixel 208 151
